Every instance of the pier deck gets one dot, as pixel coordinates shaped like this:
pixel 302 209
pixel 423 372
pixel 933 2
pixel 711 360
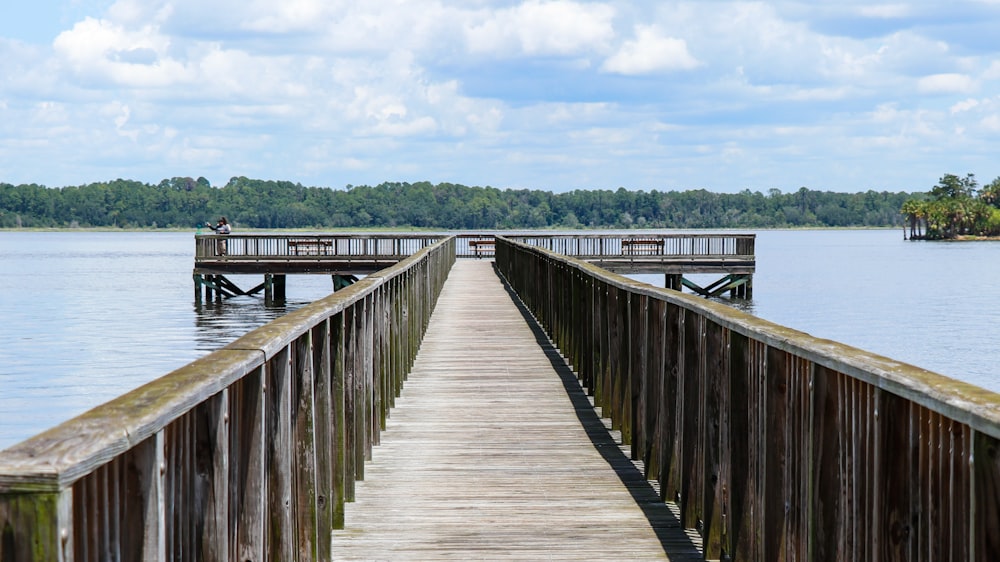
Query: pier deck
pixel 350 255
pixel 493 451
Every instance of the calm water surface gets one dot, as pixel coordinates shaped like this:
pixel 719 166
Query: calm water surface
pixel 87 316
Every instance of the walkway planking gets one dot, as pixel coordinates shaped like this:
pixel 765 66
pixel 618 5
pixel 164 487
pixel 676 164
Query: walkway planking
pixel 493 452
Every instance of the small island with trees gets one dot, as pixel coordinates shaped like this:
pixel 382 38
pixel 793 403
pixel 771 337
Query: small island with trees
pixel 955 208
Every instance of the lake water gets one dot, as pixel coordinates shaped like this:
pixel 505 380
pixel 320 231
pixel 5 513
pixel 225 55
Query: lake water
pixel 86 316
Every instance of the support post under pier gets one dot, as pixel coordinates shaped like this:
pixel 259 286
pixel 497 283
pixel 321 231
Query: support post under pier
pixel 198 283
pixel 274 288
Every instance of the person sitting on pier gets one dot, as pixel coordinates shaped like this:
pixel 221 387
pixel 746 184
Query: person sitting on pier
pixel 222 227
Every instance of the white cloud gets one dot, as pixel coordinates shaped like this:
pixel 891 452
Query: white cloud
pixel 885 11
pixel 833 93
pixel 950 83
pixel 965 105
pixel 993 72
pixel 335 91
pixel 99 50
pixel 290 15
pixel 991 123
pixel 536 27
pixel 650 52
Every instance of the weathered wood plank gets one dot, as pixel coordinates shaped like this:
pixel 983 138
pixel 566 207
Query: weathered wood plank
pixel 350 352
pixel 691 421
pixel 672 404
pixel 279 526
pixel 494 451
pixel 716 440
pixel 338 419
pixel 304 444
pixel 986 534
pixel 248 480
pixel 323 427
pixel 36 527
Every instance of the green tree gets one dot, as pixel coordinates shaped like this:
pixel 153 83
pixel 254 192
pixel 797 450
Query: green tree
pixel 951 186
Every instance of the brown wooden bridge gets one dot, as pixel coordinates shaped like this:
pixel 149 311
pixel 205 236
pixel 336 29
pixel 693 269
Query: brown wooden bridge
pixel 551 410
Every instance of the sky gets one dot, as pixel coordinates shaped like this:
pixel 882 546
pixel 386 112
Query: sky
pixel 555 95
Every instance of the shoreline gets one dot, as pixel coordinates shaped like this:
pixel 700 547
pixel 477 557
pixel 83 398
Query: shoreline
pixel 961 238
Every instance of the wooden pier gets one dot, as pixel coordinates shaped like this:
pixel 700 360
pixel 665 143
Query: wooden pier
pixel 493 451
pixel 347 256
pixel 429 412
pixel 275 256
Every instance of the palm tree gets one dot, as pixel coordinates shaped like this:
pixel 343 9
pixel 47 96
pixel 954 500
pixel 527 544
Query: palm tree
pixel 990 193
pixel 910 208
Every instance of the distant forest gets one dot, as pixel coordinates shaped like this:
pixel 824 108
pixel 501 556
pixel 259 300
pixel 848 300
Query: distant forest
pixel 250 203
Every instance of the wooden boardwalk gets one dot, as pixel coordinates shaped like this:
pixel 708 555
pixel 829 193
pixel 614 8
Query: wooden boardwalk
pixel 494 452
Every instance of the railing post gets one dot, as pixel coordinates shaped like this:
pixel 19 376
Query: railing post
pixel 350 338
pixel 324 436
pixel 338 451
pixel 303 427
pixel 655 375
pixel 638 349
pixel 36 526
pixel 370 382
pixel 211 467
pixel 280 525
pixel 692 428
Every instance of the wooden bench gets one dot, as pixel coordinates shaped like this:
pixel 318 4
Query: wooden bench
pixel 642 246
pixel 483 247
pixel 310 247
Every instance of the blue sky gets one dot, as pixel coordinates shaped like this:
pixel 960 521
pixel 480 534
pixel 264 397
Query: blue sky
pixel 543 94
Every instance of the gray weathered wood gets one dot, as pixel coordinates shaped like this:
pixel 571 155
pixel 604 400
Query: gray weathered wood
pixel 247 507
pixel 751 421
pixel 280 532
pixel 323 426
pixel 338 421
pixel 494 451
pixel 304 450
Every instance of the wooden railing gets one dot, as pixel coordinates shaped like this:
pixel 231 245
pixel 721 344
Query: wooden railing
pixel 777 445
pixel 245 454
pixel 638 243
pixel 592 246
pixel 285 246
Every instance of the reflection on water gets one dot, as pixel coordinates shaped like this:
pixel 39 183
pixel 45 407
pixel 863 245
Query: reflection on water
pixel 745 305
pixel 219 322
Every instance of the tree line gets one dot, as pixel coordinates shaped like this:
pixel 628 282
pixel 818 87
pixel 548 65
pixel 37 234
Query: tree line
pixel 184 202
pixel 955 207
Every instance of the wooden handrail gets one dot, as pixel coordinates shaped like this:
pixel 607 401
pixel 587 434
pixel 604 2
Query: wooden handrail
pixel 262 247
pixel 594 246
pixel 776 444
pixel 205 462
